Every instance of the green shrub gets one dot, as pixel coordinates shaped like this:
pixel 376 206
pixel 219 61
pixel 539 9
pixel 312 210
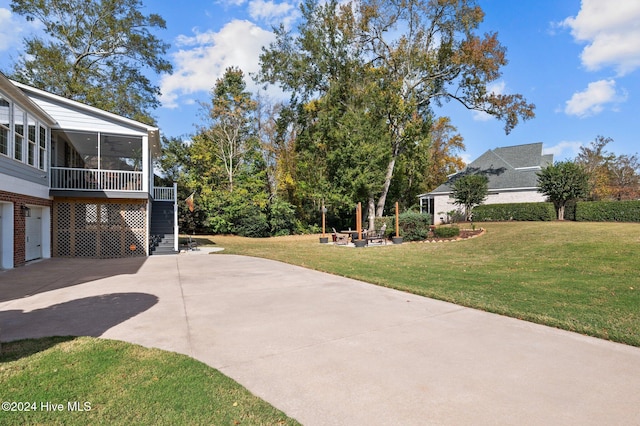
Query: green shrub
pixel 570 210
pixel 282 218
pixel 514 211
pixel 390 221
pixel 446 231
pixel 252 223
pixel 414 226
pixel 608 211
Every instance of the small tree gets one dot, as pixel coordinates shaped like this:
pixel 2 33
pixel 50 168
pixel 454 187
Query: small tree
pixel 563 182
pixel 469 191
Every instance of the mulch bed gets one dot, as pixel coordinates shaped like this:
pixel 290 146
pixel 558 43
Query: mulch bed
pixel 464 234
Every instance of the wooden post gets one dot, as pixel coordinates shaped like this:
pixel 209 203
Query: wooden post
pixel 323 219
pixel 359 220
pixel 397 221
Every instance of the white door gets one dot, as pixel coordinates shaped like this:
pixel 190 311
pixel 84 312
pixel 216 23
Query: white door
pixel 33 234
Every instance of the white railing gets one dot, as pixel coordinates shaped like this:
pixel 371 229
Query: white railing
pixel 65 178
pixel 163 194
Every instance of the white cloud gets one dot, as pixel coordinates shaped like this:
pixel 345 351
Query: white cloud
pixel 563 150
pixel 13 29
pixel 611 30
pixel 196 69
pixel 497 88
pixel 592 100
pixel 273 13
pixel 228 3
pixel 7 34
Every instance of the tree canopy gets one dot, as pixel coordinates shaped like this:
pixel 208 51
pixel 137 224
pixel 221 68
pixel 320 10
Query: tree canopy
pixel 230 116
pixel 96 52
pixel 611 177
pixel 562 182
pixel 388 63
pixel 365 80
pixel 469 191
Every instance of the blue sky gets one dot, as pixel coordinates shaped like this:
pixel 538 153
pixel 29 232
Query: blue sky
pixel 577 61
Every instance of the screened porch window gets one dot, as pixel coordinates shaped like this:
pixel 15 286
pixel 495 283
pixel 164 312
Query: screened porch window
pixel 96 161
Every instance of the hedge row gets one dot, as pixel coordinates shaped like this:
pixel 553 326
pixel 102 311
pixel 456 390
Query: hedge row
pixel 582 211
pixel 514 211
pixel 608 211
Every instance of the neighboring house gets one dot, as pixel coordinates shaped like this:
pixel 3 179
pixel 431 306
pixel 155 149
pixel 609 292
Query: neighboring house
pixel 512 173
pixel 75 181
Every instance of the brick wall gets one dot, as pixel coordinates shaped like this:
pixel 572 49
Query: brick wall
pixel 18 200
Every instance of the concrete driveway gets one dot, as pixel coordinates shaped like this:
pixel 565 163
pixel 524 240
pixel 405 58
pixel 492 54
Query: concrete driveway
pixel 329 350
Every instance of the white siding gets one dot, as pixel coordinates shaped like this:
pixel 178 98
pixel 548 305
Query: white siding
pixel 16 185
pixel 530 196
pixel 70 118
pixel 444 203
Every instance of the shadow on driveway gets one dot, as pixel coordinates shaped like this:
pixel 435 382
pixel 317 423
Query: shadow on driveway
pixel 56 273
pixel 88 316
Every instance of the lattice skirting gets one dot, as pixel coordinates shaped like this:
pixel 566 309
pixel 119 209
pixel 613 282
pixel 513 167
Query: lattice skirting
pixel 99 228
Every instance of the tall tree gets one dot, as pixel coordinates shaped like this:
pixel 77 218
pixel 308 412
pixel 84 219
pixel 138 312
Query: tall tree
pixel 563 182
pixel 596 162
pixel 422 53
pixel 625 177
pixel 436 57
pixel 231 121
pixel 96 52
pixel 445 145
pixel 610 176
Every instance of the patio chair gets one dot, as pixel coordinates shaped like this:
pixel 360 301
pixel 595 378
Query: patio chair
pixel 377 237
pixel 191 244
pixel 340 239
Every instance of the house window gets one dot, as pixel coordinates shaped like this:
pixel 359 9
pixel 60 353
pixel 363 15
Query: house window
pixel 22 137
pixel 31 141
pixel 42 140
pixel 18 130
pixel 5 126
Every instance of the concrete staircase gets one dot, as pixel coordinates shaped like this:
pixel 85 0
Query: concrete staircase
pixel 161 234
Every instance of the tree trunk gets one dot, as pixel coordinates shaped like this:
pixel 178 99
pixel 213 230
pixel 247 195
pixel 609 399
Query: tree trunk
pixel 230 174
pixel 387 183
pixel 561 212
pixel 371 212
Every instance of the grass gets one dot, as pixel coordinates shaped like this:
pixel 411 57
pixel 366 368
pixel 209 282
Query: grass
pixel 582 277
pixel 117 383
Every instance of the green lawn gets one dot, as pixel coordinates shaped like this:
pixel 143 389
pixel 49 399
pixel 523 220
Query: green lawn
pixel 583 277
pixel 80 381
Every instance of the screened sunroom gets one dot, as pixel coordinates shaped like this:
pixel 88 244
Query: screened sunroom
pixel 93 161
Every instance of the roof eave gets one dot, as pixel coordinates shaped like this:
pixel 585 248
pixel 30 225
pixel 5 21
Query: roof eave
pixel 11 88
pixel 89 108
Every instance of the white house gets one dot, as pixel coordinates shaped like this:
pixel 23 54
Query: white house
pixel 75 181
pixel 512 173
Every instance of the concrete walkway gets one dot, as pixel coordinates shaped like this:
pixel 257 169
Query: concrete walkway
pixel 328 350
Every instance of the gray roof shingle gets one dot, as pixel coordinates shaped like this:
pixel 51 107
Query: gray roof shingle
pixel 506 167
